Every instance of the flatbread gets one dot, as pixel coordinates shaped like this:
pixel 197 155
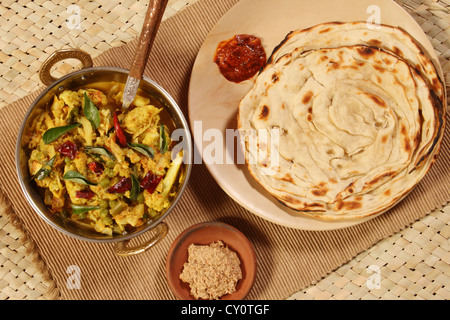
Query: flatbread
pixel 391 39
pixel 340 132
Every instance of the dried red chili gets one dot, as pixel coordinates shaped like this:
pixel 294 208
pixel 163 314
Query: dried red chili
pixel 119 132
pixel 68 149
pixel 150 182
pixel 120 187
pixel 96 167
pixel 88 194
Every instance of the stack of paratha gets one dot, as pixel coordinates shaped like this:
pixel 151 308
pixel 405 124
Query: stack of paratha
pixel 344 120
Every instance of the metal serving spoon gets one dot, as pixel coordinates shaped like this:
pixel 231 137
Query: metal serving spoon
pixel 152 21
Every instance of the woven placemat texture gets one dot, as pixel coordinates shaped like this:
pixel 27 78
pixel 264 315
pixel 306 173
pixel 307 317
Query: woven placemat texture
pixel 413 263
pixel 31 30
pixel 23 274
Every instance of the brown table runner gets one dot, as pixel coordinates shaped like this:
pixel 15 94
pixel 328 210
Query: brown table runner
pixel 288 259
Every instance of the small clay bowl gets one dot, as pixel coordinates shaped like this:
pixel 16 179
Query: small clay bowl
pixel 203 234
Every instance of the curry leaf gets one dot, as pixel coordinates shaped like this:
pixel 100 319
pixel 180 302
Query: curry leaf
pixel 45 170
pixel 78 209
pixel 54 133
pixel 73 115
pixel 162 140
pixel 142 148
pixel 135 188
pixel 101 151
pixel 77 177
pixel 91 112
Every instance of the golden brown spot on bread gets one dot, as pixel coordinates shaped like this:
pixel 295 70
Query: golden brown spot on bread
pixel 307 97
pixel 290 199
pixel 388 61
pixel 333 65
pixel 288 178
pixel 374 42
pixel 275 78
pixel 380 69
pixel 365 52
pixel 264 112
pixel 397 51
pixel 320 191
pixel 379 80
pixel 378 100
pixel 325 30
pixel 384 138
pixel 387 193
pixel 381 177
pixel 313 207
pixel 350 187
pixel 436 83
pixel 407 144
pixel 348 205
pixel 403 130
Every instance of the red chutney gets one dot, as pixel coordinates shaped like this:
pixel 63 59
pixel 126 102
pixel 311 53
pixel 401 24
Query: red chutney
pixel 240 57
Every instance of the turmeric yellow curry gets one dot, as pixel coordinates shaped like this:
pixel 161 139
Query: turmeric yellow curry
pixel 103 168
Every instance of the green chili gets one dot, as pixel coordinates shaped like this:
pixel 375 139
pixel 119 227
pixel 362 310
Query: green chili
pixel 80 209
pixel 45 170
pixel 162 140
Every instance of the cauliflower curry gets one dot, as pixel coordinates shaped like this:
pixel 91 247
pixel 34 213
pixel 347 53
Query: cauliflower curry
pixel 103 168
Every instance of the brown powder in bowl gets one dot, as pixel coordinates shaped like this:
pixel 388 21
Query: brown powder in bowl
pixel 211 271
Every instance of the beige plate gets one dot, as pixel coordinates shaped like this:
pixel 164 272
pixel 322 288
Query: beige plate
pixel 213 101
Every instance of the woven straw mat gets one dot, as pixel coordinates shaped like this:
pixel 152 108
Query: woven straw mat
pixel 412 264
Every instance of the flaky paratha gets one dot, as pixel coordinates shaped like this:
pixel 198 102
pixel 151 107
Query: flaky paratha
pixel 340 132
pixel 391 39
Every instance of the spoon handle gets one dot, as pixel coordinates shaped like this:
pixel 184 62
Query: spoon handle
pixel 152 21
